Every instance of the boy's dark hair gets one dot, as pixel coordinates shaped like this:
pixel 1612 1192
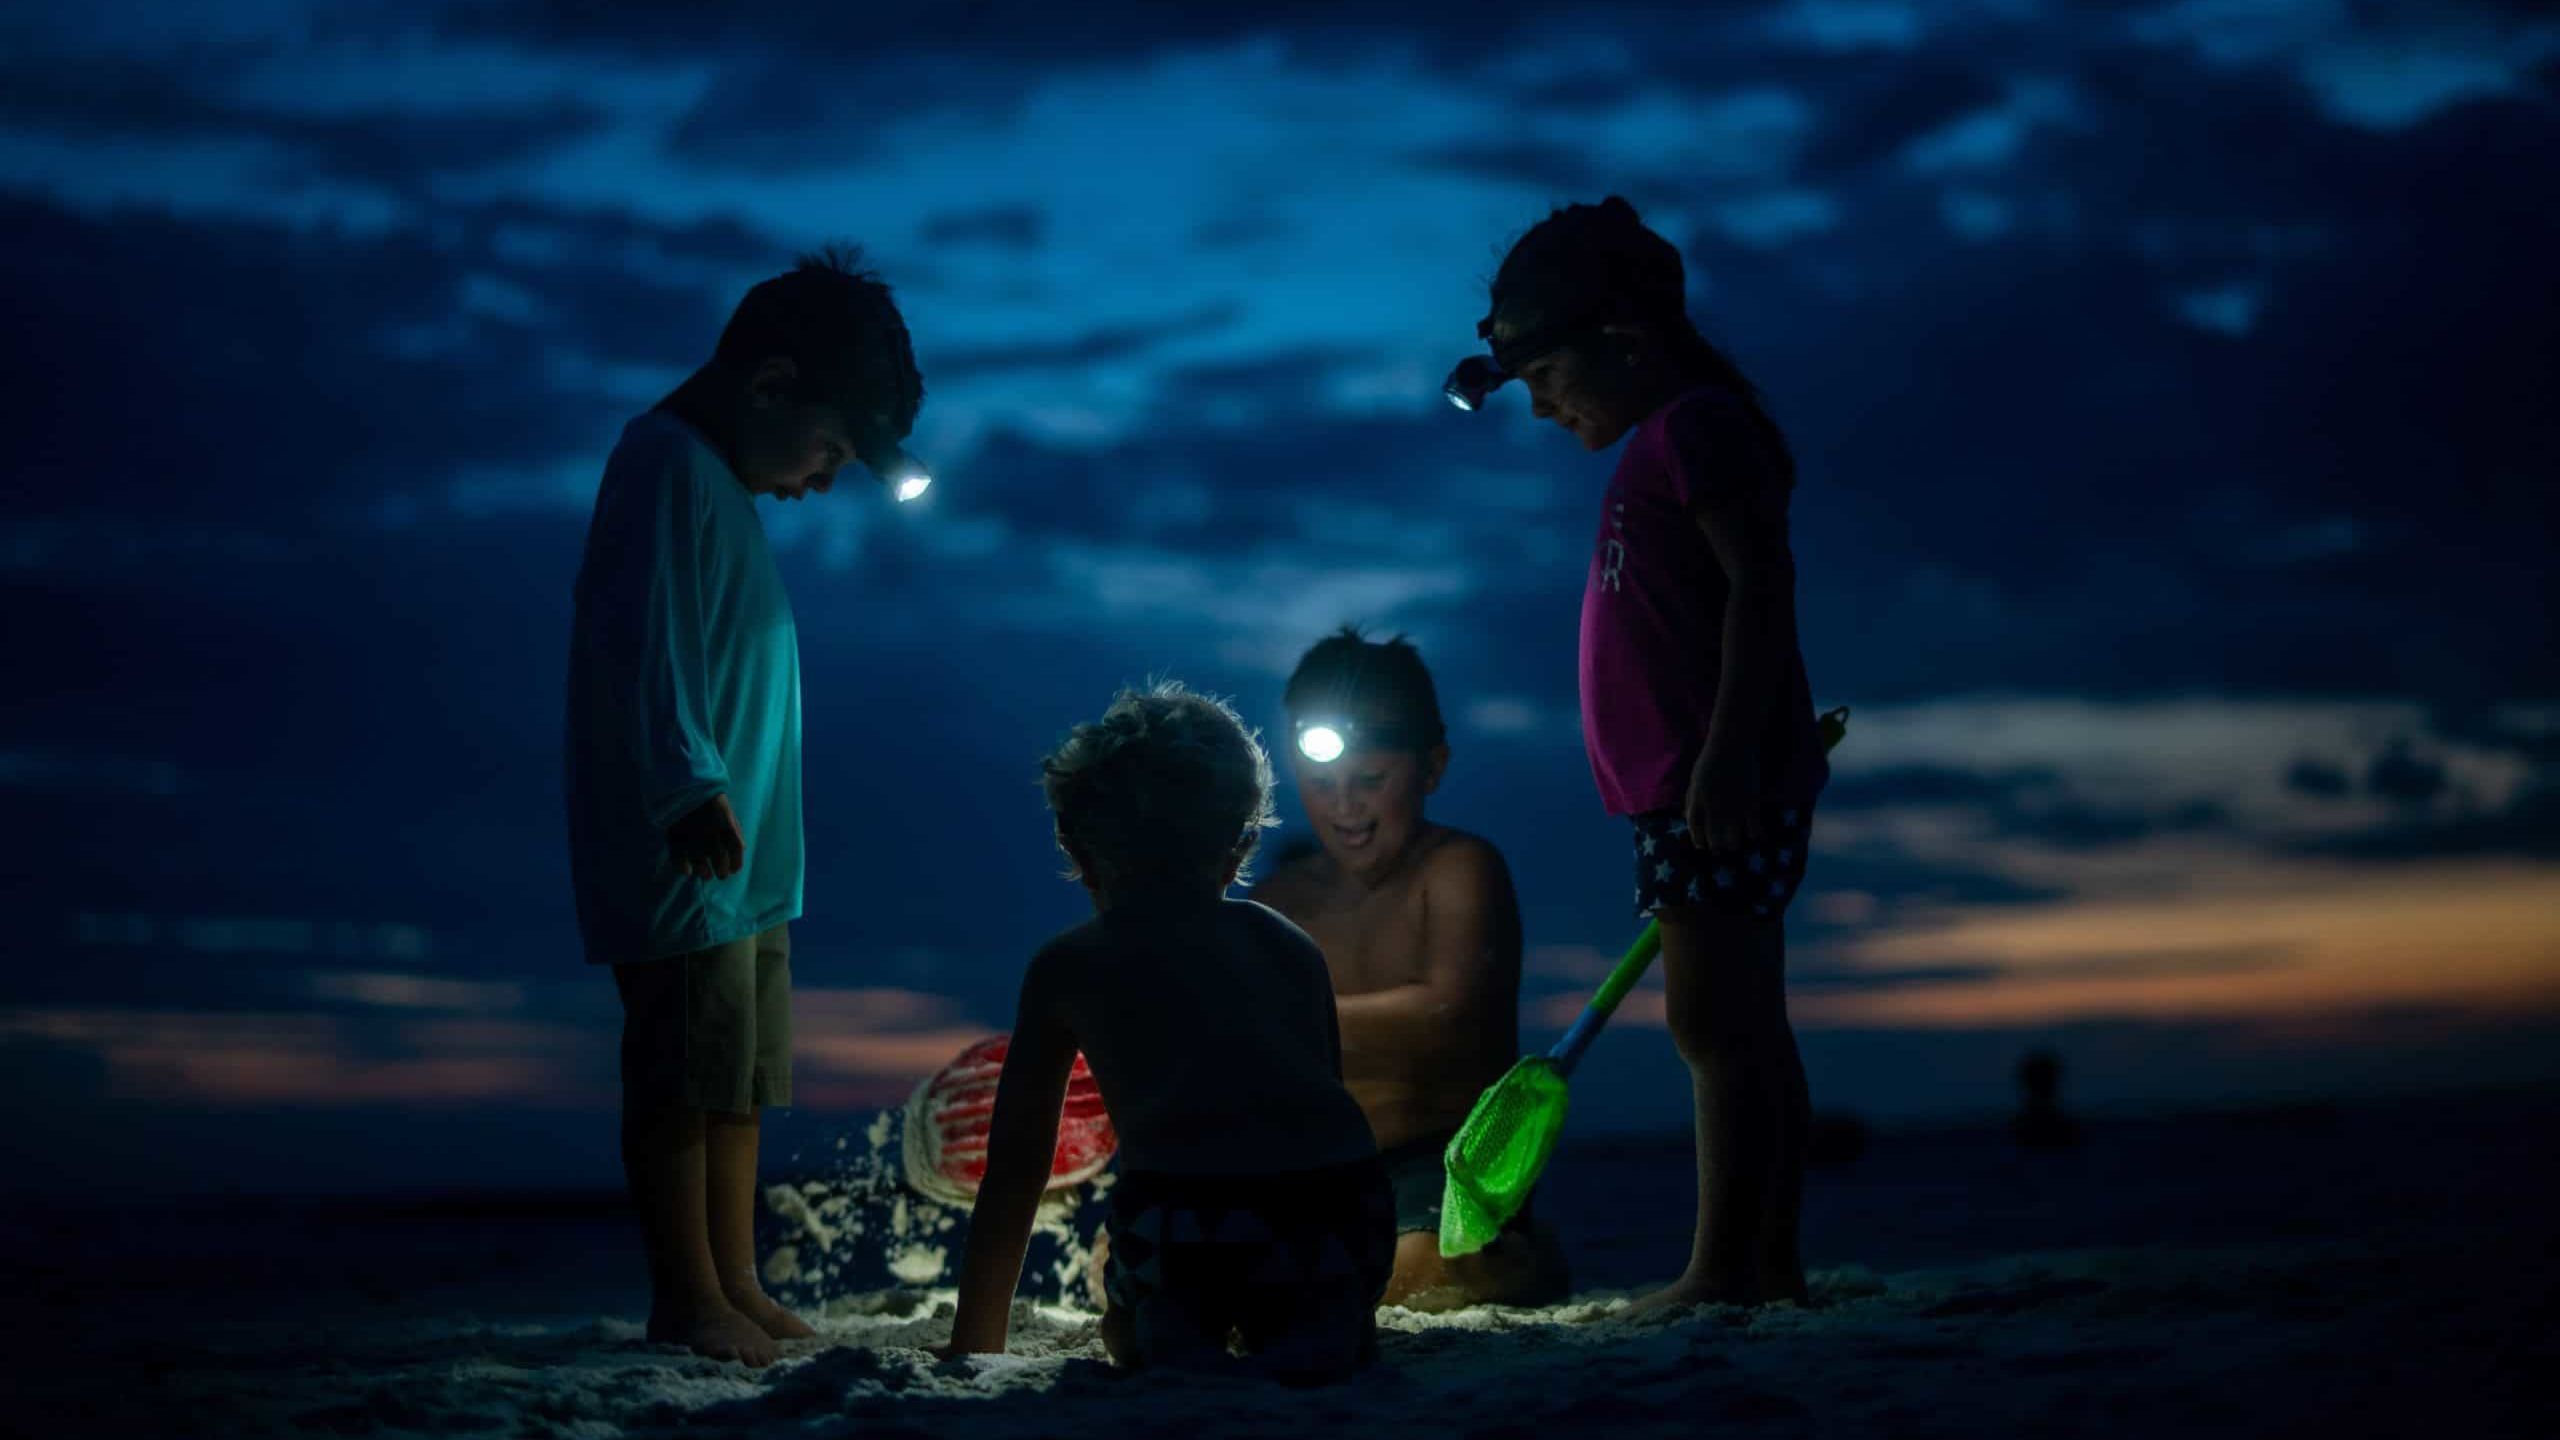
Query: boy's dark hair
pixel 1350 675
pixel 836 321
pixel 1601 264
pixel 1167 785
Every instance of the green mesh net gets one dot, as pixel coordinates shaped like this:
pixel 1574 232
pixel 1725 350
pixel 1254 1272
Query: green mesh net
pixel 1495 1158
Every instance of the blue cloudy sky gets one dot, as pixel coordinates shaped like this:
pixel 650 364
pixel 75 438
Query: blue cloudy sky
pixel 2172 384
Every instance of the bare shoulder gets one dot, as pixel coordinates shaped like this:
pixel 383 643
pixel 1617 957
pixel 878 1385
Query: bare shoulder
pixel 1268 919
pixel 1063 959
pixel 1273 928
pixel 1465 868
pixel 1292 883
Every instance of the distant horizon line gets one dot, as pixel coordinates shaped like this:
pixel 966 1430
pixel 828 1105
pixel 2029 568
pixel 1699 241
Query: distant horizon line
pixel 605 1200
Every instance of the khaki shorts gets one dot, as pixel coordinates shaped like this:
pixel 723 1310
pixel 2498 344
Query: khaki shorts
pixel 712 1028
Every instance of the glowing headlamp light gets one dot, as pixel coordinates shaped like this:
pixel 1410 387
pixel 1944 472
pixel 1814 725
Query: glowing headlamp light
pixel 1327 739
pixel 905 475
pixel 1474 378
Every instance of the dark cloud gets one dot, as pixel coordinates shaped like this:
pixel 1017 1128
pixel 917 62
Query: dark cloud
pixel 1562 170
pixel 2028 803
pixel 1276 384
pixel 1897 877
pixel 1869 115
pixel 2099 422
pixel 2527 826
pixel 1239 231
pixel 2508 726
pixel 547 238
pixel 763 113
pixel 241 372
pixel 2324 778
pixel 1931 785
pixel 256 376
pixel 1094 346
pixel 126 98
pixel 2402 776
pixel 1006 227
pixel 832 45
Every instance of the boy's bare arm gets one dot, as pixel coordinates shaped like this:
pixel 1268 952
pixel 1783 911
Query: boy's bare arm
pixel 1473 930
pixel 1021 1138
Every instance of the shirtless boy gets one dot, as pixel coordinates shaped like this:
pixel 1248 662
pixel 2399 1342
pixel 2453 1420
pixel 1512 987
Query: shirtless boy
pixel 1251 1209
pixel 1421 934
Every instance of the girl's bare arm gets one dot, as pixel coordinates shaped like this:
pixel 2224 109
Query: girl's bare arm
pixel 1748 535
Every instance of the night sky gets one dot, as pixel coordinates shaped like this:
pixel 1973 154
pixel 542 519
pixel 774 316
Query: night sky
pixel 2173 386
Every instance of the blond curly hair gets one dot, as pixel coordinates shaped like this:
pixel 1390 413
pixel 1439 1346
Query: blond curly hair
pixel 1169 784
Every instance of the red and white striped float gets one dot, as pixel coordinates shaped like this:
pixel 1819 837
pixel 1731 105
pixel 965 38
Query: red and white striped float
pixel 945 1149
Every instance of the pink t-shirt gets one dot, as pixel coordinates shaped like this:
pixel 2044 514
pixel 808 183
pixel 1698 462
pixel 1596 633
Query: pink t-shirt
pixel 1653 613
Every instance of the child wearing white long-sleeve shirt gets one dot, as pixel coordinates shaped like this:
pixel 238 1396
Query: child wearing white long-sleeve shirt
pixel 683 761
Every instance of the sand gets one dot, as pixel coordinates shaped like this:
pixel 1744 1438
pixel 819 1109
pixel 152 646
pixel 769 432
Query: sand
pixel 2315 1340
pixel 2329 1274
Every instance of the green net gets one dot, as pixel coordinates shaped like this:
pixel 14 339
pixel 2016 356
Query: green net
pixel 1495 1158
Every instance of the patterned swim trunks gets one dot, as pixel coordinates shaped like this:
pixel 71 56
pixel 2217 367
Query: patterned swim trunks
pixel 1672 870
pixel 1301 1256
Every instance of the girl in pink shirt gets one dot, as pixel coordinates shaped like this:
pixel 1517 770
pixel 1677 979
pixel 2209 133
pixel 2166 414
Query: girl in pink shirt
pixel 1695 708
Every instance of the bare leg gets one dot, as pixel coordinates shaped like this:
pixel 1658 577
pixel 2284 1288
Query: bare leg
pixel 1120 1337
pixel 1724 988
pixel 731 1142
pixel 1781 1251
pixel 662 1158
pixel 1097 1272
pixel 1520 1268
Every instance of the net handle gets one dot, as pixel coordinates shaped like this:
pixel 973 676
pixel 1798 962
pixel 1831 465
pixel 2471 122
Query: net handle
pixel 1586 1026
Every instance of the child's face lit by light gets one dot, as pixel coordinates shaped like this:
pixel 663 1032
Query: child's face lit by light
pixel 1367 805
pixel 1585 390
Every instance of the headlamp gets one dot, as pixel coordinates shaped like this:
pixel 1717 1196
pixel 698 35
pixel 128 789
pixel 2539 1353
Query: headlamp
pixel 1474 378
pixel 905 475
pixel 1477 376
pixel 1325 739
pixel 1320 743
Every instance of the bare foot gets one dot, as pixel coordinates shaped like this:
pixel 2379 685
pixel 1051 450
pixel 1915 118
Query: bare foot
pixel 769 1316
pixel 722 1334
pixel 1097 1274
pixel 1682 1294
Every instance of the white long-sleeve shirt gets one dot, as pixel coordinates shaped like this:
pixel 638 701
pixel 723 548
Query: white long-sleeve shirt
pixel 684 683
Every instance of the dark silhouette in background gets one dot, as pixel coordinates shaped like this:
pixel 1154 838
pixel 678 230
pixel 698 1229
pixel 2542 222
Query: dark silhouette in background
pixel 2040 1123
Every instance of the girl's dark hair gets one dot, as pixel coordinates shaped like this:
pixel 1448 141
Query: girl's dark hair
pixel 1348 672
pixel 1590 265
pixel 836 320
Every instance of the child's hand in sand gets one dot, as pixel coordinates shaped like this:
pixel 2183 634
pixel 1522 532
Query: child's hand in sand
pixel 706 842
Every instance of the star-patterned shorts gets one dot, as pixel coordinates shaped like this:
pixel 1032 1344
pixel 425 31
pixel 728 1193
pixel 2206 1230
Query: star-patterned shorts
pixel 1672 870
